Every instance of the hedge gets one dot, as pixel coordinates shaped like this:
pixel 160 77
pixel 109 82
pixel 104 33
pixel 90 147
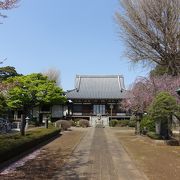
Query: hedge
pixel 12 145
pixel 83 123
pixel 113 123
pixel 63 124
pixel 122 123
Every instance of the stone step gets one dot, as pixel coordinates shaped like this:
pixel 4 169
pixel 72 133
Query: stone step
pixel 99 126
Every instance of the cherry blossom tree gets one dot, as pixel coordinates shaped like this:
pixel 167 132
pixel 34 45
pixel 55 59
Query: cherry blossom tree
pixel 145 89
pixel 5 87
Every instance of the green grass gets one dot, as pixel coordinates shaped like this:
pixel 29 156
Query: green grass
pixel 13 144
pixel 153 135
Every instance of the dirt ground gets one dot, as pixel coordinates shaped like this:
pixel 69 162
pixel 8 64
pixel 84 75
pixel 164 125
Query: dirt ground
pixel 157 160
pixel 51 158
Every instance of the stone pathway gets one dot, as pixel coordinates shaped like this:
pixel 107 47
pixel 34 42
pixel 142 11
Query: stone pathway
pixel 99 156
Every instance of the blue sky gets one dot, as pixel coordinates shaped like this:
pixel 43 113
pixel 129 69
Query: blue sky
pixel 75 37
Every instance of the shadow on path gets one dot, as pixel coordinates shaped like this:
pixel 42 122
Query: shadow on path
pixel 99 156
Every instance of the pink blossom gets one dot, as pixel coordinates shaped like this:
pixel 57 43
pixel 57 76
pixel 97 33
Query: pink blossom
pixel 145 89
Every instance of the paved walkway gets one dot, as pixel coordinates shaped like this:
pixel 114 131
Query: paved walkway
pixel 99 156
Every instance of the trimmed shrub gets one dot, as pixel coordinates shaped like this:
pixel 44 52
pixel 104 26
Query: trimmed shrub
pixel 73 123
pixel 63 124
pixel 132 123
pixel 122 123
pixel 12 145
pixel 161 109
pixel 83 123
pixel 113 123
pixel 147 124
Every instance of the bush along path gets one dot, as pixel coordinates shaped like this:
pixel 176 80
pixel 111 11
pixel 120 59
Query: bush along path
pixel 45 162
pixel 12 145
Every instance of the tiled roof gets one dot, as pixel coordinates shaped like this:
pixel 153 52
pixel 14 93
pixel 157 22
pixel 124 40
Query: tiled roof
pixel 98 87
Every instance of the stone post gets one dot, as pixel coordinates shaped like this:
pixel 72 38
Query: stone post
pixel 27 123
pixel 46 122
pixel 158 127
pixel 137 127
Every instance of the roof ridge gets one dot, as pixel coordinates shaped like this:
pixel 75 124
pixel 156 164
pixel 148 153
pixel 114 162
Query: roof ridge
pixel 99 76
pixel 70 90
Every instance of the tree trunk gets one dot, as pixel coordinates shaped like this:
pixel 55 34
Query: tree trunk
pixel 170 126
pixel 164 129
pixel 23 124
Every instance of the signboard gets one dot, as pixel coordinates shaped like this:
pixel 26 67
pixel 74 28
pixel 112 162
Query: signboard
pixel 111 106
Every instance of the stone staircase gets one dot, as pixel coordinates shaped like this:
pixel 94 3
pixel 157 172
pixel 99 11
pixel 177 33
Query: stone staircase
pixel 99 122
pixel 100 126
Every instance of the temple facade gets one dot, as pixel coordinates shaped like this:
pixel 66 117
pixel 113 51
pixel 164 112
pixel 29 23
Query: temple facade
pixel 97 98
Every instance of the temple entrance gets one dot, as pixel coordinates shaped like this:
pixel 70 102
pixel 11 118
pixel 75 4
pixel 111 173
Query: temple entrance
pixel 99 120
pixel 99 109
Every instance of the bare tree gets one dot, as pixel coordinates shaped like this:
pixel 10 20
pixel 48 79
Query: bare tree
pixel 151 29
pixel 7 4
pixel 53 74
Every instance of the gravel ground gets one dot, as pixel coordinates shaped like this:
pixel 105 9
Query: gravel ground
pixel 50 159
pixel 157 160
